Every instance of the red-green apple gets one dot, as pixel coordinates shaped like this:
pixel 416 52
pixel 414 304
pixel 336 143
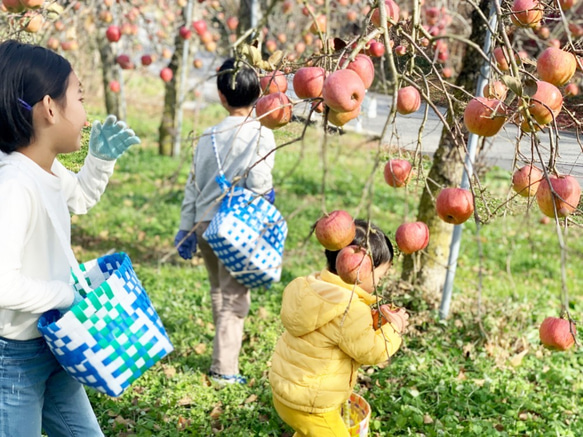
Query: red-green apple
pixel 454 205
pixel 336 230
pixel 397 172
pixel 343 90
pixel 557 333
pixel 412 237
pixel 566 198
pixel 274 110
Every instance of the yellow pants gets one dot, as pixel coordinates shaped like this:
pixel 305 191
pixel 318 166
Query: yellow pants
pixel 328 424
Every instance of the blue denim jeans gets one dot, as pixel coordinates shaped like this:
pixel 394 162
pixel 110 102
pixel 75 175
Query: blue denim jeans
pixel 36 393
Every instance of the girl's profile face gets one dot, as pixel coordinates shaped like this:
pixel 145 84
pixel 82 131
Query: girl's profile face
pixel 73 116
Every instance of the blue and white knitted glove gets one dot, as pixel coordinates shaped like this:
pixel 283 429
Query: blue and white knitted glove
pixel 108 141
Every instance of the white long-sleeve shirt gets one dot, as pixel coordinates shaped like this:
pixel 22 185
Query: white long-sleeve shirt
pixel 34 271
pixel 242 144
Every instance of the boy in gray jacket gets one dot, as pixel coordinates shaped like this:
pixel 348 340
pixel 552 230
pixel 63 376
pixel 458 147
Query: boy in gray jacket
pixel 246 153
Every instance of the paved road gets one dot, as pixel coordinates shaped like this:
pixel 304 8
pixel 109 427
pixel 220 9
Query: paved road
pixel 499 151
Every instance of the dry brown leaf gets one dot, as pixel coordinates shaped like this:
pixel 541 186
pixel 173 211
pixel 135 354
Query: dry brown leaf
pixel 217 411
pixel 262 313
pixel 516 360
pixel 427 419
pixel 250 399
pixel 479 382
pixel 200 348
pixel 185 401
pixel 169 371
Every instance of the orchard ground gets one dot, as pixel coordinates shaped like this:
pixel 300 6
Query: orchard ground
pixel 481 372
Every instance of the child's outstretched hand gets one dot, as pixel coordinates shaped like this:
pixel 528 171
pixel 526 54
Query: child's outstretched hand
pixel 398 317
pixel 108 141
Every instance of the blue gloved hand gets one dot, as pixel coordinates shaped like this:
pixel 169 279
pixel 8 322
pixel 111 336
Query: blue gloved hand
pixel 270 196
pixel 108 141
pixel 185 245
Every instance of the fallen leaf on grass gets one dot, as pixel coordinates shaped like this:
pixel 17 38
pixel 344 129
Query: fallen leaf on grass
pixel 262 313
pixel 186 401
pixel 479 382
pixel 200 348
pixel 427 419
pixel 169 371
pixel 120 420
pixel 251 398
pixel 516 360
pixel 217 411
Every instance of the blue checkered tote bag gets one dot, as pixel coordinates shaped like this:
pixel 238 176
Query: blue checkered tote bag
pixel 114 334
pixel 247 234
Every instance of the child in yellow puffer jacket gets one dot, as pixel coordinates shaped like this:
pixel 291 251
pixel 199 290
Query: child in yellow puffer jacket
pixel 328 335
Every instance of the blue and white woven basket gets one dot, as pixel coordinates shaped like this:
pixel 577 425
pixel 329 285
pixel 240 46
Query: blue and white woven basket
pixel 248 235
pixel 113 335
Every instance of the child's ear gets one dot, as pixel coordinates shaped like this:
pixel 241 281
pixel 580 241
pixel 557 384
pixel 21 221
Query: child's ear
pixel 47 108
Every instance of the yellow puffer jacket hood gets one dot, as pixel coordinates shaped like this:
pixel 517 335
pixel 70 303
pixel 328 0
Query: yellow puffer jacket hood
pixel 328 335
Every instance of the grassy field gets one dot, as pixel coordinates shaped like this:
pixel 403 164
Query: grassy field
pixel 481 372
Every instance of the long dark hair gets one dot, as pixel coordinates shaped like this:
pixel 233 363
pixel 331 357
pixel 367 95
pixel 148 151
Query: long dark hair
pixel 380 246
pixel 28 73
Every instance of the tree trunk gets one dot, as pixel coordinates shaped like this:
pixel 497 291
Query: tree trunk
pixel 114 103
pixel 169 127
pixel 445 171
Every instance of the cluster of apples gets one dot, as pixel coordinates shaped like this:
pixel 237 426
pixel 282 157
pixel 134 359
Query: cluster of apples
pixel 31 20
pixel 453 205
pixel 340 92
pixel 555 67
pixel 556 196
pixel 336 231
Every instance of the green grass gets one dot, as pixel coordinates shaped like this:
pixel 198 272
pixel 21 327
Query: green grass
pixel 482 372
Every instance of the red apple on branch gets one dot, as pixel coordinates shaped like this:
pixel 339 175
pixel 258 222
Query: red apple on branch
pixel 557 333
pixel 199 27
pixel 412 237
pixel 484 117
pixel 166 74
pixel 113 33
pixel 526 13
pixel 336 230
pixel 273 82
pixel 114 86
pixel 408 100
pixel 364 67
pixel 274 110
pixel 308 82
pixel 556 66
pixel 495 90
pixel 354 264
pixel 454 205
pixel 566 199
pixel 146 60
pixel 525 180
pixel 343 90
pixel 341 118
pixel 185 32
pixel 393 13
pixel 502 58
pixel 397 172
pixel 546 103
